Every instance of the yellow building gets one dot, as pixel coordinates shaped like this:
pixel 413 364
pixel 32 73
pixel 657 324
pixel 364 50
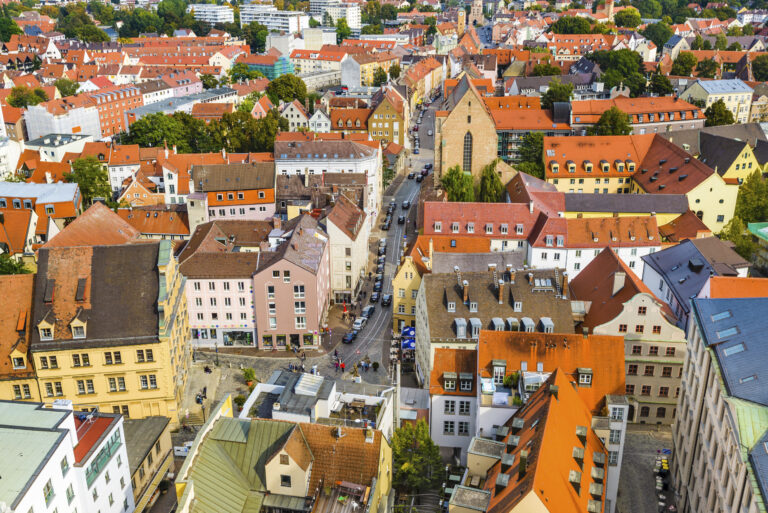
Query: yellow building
pixel 17 375
pixel 150 454
pixel 405 286
pixel 736 95
pixel 390 119
pixel 110 327
pixel 360 69
pixel 732 159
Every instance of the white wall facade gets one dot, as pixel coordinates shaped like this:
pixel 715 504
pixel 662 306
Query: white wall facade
pixel 349 258
pixel 218 306
pixel 457 409
pixel 574 260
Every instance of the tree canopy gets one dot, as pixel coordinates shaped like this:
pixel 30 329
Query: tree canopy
pixel 241 71
pixel 379 77
pixel 394 71
pixel 736 232
pixel 707 68
pixel 91 177
pixel 545 70
pixel 416 459
pixel 557 92
pixel 342 30
pixel 287 88
pixel 612 122
pixel 760 67
pixel 659 33
pixel 752 202
pixel 491 189
pixel 627 18
pixel 8 27
pixel 10 266
pixel 571 25
pixel 66 87
pixel 458 185
pixel 718 114
pixel 661 85
pixel 23 96
pixel 621 67
pixel 684 64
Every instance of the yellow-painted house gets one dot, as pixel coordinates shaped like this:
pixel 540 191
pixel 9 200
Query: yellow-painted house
pixel 266 463
pixel 110 328
pixel 405 286
pixel 390 119
pixel 732 159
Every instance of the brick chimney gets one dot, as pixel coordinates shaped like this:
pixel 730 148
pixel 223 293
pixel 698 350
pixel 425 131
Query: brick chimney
pixel 465 285
pixel 501 292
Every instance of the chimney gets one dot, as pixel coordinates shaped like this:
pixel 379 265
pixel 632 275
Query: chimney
pixel 48 177
pixel 431 249
pixel 530 207
pixel 501 292
pixel 618 281
pixel 523 464
pixel 174 149
pixel 553 390
pixel 530 278
pixel 465 286
pixel 165 145
pixel 224 153
pixel 276 222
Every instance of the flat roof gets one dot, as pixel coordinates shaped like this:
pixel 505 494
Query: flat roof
pixel 53 140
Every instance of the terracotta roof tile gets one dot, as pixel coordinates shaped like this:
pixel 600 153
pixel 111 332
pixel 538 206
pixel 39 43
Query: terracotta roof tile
pixel 668 169
pixel 626 231
pixel 457 361
pixel 596 149
pixel 15 323
pixel 347 217
pixel 14 229
pixel 733 287
pixel 97 226
pixel 686 226
pixel 153 221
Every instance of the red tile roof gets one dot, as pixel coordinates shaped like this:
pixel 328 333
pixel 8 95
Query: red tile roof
pixel 480 214
pixel 97 226
pixel 456 361
pixel 15 323
pixel 686 226
pixel 732 287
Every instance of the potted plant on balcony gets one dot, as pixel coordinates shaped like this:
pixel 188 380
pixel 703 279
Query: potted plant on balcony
pixel 239 401
pixel 249 375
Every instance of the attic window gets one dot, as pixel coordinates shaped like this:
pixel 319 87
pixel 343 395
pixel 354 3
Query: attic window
pixel 585 377
pixel 451 306
pixel 46 334
pixel 78 331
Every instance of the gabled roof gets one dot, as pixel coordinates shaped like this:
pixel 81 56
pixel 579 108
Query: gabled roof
pixel 481 214
pixel 719 153
pixel 580 151
pixel 686 226
pixel 595 283
pixel 456 362
pixel 349 119
pixel 603 354
pixel 668 169
pixel 624 231
pixel 154 221
pixel 97 226
pixel 549 435
pixel 14 230
pixel 347 217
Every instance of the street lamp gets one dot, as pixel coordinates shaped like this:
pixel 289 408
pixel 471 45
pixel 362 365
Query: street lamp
pixel 216 347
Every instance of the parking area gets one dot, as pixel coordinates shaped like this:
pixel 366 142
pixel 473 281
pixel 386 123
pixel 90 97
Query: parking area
pixel 637 485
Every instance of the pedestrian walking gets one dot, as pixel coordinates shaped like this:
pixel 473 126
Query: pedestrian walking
pixel 342 367
pixel 336 363
pixel 335 353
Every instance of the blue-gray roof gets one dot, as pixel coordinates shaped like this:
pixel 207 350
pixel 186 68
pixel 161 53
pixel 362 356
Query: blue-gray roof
pixel 733 85
pixel 735 330
pixel 759 458
pixel 42 192
pixel 684 269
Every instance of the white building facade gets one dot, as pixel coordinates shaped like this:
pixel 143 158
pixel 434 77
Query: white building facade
pixel 212 13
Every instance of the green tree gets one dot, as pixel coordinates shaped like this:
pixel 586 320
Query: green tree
pixel 255 35
pixel 648 8
pixel 416 459
pixel 22 96
pixel 157 129
pixel 736 232
pixel 327 19
pixel 659 33
pixel 707 45
pixel 8 27
pixel 209 81
pixel 93 180
pixel 388 12
pixel 684 64
pixel 103 12
pixel 531 168
pixel 734 47
pixel 721 42
pixel 545 70
pixel 394 70
pixel 698 43
pixel 612 122
pixel 342 30
pixel 752 202
pixel 66 87
pixel 313 23
pixel 627 18
pixel 760 67
pixel 532 148
pixel 733 31
pixel 458 185
pixel 718 114
pixel 707 68
pixel 557 92
pixel 287 88
pixel 241 71
pixel 10 266
pixel 491 189
pixel 372 29
pixel 661 85
pixel 748 30
pixel 379 77
pixel 571 25
pixel 621 67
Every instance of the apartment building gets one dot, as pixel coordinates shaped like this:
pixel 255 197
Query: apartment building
pixel 647 115
pixel 297 116
pixel 307 158
pixel 452 308
pixel 654 347
pixel 348 234
pixel 110 328
pixel 680 272
pixel 123 163
pixel 359 69
pixel 290 22
pixel 243 191
pixel 112 104
pixel 212 13
pixel 64 461
pixel 390 119
pixel 54 204
pixel 736 95
pixel 77 114
pixel 719 463
pixel 218 264
pixel 291 287
pixel 150 455
pixel 271 66
pixel 512 366
pixel 453 402
pixel 314 61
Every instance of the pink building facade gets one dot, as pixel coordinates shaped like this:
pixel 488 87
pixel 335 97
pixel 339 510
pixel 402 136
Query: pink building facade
pixel 221 311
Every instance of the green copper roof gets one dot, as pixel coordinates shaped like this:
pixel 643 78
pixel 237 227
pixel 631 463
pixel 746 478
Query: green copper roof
pixel 759 230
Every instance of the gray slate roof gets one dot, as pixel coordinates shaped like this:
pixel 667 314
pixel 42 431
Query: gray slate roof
pixel 234 177
pixel 718 152
pixel 140 437
pixel 689 140
pixel 735 330
pixel 579 202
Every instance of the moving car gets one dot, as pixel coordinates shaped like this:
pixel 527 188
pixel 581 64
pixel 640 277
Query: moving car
pixel 375 297
pixel 368 311
pixel 359 323
pixel 386 300
pixel 401 220
pixel 429 133
pixel 406 205
pixel 411 175
pixel 349 337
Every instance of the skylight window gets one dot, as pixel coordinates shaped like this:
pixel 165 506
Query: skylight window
pixel 747 379
pixel 727 332
pixel 722 315
pixel 738 348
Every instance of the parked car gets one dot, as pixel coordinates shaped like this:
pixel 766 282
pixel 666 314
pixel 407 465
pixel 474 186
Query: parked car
pixel 383 241
pixel 429 133
pixel 380 268
pixel 383 249
pixel 424 172
pixel 429 166
pixel 379 277
pixel 406 205
pixel 419 178
pixel 386 300
pixel 359 323
pixel 377 286
pixel 416 151
pixel 381 260
pixel 368 311
pixel 386 227
pixel 374 297
pixel 411 175
pixel 401 220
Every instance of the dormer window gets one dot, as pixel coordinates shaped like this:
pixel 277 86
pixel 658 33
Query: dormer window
pixel 549 240
pixel 560 241
pixel 455 227
pixel 465 385
pixel 489 228
pixel 504 229
pixel 46 333
pixel 473 306
pixel 78 331
pixel 449 383
pixel 519 229
pixel 451 306
pixel 588 167
pixel 554 167
pixel 631 167
pixel 585 377
pixel 438 226
pixel 620 167
pixel 571 167
pixel 605 166
pixel 18 362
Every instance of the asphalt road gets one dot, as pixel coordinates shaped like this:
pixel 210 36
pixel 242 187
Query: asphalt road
pixel 375 337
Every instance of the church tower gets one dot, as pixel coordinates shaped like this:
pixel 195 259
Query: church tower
pixel 476 17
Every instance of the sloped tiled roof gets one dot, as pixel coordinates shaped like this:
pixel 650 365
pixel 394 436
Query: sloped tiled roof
pixel 97 226
pixel 685 226
pixel 457 361
pixel 15 322
pixel 347 216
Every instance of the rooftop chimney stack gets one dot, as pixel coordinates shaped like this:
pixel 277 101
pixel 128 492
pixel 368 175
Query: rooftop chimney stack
pixel 501 292
pixel 619 277
pixel 465 286
pixel 523 463
pixel 530 207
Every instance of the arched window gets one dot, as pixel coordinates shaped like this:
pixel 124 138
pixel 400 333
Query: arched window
pixel 467 152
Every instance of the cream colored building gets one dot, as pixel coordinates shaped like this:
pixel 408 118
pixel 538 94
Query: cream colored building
pixel 405 288
pixel 736 95
pixel 348 234
pixel 719 437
